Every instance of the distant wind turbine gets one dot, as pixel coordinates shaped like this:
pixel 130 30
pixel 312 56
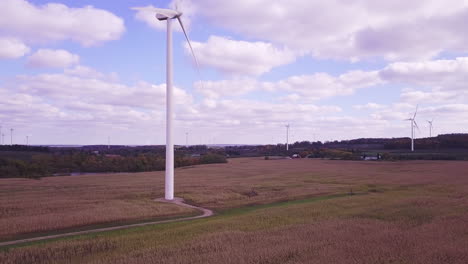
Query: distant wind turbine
pixel 430 126
pixel 168 14
pixel 287 137
pixel 413 125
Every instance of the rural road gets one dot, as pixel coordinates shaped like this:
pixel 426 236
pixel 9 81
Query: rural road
pixel 178 201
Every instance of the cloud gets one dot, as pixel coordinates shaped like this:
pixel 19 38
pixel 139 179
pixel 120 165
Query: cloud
pixel 430 82
pixel 322 85
pixel 430 97
pixel 90 73
pixel 368 106
pixel 353 30
pixel 236 57
pixel 241 112
pixel 93 102
pixel 440 74
pixel 305 87
pixel 227 88
pixel 54 22
pixel 68 87
pixel 12 48
pixel 47 58
pixel 23 108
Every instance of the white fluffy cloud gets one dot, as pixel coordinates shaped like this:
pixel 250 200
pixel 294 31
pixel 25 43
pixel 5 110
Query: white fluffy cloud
pixel 305 87
pixel 47 58
pixel 56 22
pixel 430 82
pixel 85 99
pixel 441 74
pixel 235 57
pixel 368 106
pixel 65 88
pixel 348 30
pixel 12 48
pixel 323 85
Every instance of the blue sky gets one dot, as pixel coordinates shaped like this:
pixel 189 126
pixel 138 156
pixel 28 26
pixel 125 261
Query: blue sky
pixel 76 72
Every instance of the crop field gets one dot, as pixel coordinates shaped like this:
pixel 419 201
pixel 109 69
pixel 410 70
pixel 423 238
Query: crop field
pixel 268 211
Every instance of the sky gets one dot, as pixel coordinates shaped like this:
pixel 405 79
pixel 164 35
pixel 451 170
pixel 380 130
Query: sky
pixel 81 71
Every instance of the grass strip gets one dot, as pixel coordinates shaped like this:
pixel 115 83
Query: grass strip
pixel 223 214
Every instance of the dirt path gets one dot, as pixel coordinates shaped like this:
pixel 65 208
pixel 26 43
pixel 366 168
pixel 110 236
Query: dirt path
pixel 178 201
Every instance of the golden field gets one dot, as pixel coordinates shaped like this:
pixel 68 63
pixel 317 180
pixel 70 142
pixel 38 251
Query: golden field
pixel 401 212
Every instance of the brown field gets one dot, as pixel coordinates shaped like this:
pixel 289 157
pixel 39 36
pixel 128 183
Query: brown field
pixel 406 212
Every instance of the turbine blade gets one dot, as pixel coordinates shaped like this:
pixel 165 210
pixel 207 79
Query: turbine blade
pixel 416 124
pixel 191 48
pixel 415 112
pixel 189 43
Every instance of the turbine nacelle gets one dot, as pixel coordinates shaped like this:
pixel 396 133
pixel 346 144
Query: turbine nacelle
pixel 161 13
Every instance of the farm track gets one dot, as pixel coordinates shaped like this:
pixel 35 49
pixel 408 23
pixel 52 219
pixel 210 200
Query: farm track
pixel 178 201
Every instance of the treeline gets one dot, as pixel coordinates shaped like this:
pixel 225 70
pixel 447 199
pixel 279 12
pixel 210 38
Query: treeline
pixel 441 142
pixel 41 165
pixel 24 148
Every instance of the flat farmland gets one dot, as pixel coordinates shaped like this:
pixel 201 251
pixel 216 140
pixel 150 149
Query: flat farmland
pixel 268 211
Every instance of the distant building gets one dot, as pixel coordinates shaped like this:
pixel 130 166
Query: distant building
pixel 371 156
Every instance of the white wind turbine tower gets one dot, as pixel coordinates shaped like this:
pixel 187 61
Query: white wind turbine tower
pixel 287 137
pixel 430 126
pixel 413 125
pixel 168 15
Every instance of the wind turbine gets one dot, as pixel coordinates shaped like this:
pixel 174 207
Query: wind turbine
pixel 287 137
pixel 168 15
pixel 430 126
pixel 413 124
